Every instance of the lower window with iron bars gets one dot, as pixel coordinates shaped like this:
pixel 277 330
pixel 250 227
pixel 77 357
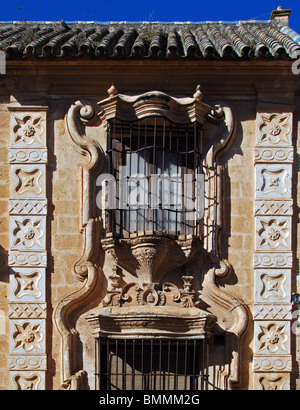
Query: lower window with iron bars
pixel 151 364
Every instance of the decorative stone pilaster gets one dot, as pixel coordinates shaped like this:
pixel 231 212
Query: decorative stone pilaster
pixel 273 258
pixel 27 255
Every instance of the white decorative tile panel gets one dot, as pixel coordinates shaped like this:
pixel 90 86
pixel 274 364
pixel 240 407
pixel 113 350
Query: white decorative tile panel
pixel 28 181
pixel 28 233
pixel 28 130
pixel 273 233
pixel 273 257
pixel 27 284
pixel 272 285
pixel 27 256
pixel 272 337
pixel 273 181
pixel 274 129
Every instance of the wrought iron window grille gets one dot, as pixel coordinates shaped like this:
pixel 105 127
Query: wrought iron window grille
pixel 151 364
pixel 159 161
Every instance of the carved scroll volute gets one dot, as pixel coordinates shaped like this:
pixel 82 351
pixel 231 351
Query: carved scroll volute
pixel 220 128
pixel 232 313
pixel 219 131
pixel 79 116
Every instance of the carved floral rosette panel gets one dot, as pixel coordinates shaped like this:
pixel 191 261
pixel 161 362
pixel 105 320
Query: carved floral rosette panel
pixel 27 254
pixel 273 251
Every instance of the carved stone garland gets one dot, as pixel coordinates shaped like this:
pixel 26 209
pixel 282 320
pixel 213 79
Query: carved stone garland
pixel 273 258
pixel 27 255
pixel 85 124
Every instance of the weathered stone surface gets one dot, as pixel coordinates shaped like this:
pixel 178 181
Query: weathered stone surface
pixel 62 278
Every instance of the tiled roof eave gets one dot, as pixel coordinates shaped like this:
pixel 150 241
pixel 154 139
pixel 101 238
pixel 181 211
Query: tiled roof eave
pixel 246 40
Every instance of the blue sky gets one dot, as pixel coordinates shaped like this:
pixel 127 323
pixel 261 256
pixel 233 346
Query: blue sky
pixel 146 10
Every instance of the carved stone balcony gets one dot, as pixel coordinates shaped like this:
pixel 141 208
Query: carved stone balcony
pixel 151 257
pixel 150 306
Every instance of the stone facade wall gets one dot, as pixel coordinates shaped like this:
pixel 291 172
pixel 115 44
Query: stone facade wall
pixel 64 237
pixel 4 246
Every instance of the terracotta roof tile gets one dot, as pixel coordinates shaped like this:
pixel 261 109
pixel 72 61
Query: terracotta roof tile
pixel 219 40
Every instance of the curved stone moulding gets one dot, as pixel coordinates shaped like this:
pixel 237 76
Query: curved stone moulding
pixel 149 322
pixel 235 309
pixel 72 380
pixel 218 136
pixel 155 103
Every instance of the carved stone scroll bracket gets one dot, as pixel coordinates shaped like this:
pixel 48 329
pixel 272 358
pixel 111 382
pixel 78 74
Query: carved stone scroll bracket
pixel 225 299
pixel 80 115
pixel 220 130
pixel 233 309
pixel 86 269
pixel 63 315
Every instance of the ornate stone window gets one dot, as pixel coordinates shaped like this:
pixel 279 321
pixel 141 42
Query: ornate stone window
pixel 152 218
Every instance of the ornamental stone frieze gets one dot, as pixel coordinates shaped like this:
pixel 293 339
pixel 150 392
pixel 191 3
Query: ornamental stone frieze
pixel 273 257
pixel 28 255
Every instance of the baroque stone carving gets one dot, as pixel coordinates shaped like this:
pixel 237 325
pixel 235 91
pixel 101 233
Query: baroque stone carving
pixel 272 311
pixel 273 210
pixel 28 310
pixel 150 295
pixel 273 286
pixel 272 364
pixel 150 254
pixel 26 283
pixel 36 362
pixel 273 181
pixel 282 155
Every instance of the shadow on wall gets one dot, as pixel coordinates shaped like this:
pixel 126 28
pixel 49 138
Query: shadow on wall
pixel 4 278
pixel 4 269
